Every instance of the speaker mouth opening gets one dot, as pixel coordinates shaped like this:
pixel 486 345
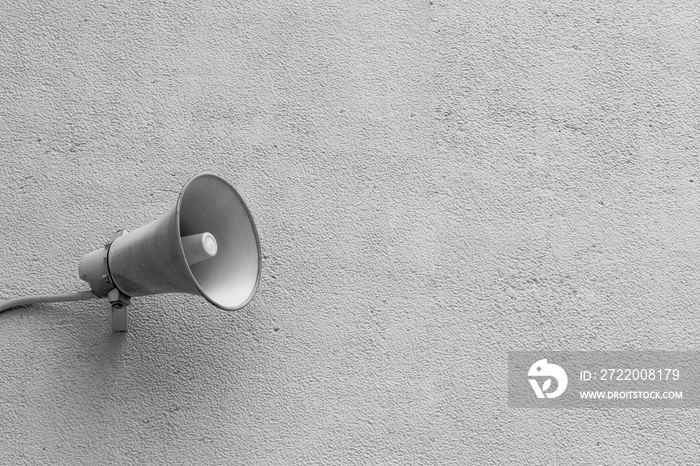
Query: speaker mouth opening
pixel 209 204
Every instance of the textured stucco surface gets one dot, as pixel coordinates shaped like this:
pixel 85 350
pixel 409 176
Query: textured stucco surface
pixel 434 183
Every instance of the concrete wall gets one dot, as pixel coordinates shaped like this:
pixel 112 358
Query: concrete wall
pixel 435 183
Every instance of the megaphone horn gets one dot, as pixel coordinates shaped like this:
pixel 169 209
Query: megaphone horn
pixel 206 245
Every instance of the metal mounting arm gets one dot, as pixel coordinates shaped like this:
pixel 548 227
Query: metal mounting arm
pixel 120 314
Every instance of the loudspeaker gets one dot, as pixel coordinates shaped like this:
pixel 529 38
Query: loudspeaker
pixel 206 245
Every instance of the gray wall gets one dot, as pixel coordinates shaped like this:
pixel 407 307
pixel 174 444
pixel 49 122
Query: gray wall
pixel 435 184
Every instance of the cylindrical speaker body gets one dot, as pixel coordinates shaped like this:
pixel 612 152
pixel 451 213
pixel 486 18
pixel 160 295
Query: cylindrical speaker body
pixel 93 269
pixel 149 260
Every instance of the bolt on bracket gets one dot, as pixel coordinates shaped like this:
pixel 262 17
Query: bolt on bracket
pixel 120 314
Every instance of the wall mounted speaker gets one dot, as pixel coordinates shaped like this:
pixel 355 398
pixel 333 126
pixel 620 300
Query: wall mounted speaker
pixel 206 245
